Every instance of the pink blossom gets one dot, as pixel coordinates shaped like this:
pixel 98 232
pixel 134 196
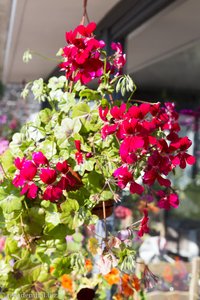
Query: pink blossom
pixel 151 175
pixel 78 153
pixel 28 170
pixel 123 175
pixel 119 58
pixel 122 212
pixel 82 55
pixel 18 162
pixel 3 145
pixel 39 158
pixel 13 124
pixel 3 119
pixel 128 148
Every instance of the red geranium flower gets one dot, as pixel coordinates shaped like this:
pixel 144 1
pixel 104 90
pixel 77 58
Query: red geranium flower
pixel 128 148
pixel 123 175
pixel 103 112
pixel 62 167
pixel 144 228
pixel 48 175
pixel 167 201
pixel 30 189
pixel 28 170
pixel 118 112
pixel 52 193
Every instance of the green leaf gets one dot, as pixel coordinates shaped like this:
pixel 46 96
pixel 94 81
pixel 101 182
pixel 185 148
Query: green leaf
pixel 25 91
pixel 45 115
pixel 70 215
pixel 60 231
pixel 80 195
pixel 106 195
pixel 48 147
pixel 80 109
pixel 78 87
pixel 62 266
pixel 78 262
pixel 127 261
pixel 68 128
pixel 70 205
pixel 6 160
pixel 30 272
pixel 67 101
pixel 90 94
pixel 53 218
pixel 96 180
pixel 35 133
pixel 27 56
pixel 47 204
pixel 57 82
pixel 11 246
pixel 91 123
pixel 35 220
pixel 10 199
pixel 88 165
pixel 37 89
pixel 2 219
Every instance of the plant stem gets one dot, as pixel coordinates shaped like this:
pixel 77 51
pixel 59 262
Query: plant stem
pixel 4 172
pixel 45 57
pixel 104 218
pixel 141 101
pixel 111 99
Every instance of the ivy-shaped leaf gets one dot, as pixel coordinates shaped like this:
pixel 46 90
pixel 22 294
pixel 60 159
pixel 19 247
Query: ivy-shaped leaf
pixel 10 199
pixel 80 109
pixel 66 102
pixel 67 128
pixel 70 214
pixel 90 94
pixel 53 218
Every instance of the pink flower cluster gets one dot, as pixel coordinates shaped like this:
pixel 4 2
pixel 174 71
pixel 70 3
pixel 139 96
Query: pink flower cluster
pixel 122 212
pixel 82 57
pixel 3 145
pixel 38 179
pixel 150 147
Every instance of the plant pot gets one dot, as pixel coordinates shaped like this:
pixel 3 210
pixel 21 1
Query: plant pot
pixel 98 209
pixel 86 294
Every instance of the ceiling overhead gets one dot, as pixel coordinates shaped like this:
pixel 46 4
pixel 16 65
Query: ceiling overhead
pixel 5 7
pixel 40 25
pixel 165 51
pixel 162 52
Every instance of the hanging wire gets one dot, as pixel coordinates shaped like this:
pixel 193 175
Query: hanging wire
pixel 85 14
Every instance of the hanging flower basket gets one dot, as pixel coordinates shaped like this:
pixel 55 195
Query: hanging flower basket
pixel 102 212
pixel 62 170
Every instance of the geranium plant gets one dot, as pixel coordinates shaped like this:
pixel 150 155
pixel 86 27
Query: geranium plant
pixel 81 153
